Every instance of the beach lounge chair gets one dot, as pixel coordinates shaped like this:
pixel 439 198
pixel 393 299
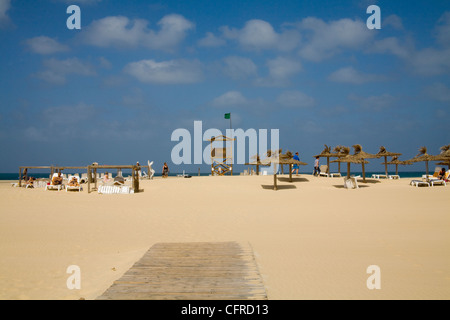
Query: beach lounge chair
pixel 78 188
pixel 151 171
pixel 115 190
pixel 379 176
pixel 419 183
pixel 323 170
pixel 351 183
pixel 394 176
pixel 51 186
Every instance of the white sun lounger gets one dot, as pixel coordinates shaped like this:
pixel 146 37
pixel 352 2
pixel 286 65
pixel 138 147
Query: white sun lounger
pixel 419 183
pixel 437 182
pixel 79 188
pixel 394 176
pixel 379 176
pixel 51 186
pixel 115 190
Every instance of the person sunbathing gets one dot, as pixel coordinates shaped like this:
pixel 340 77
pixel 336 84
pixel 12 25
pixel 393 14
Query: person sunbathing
pixel 74 182
pixel 441 174
pixel 57 180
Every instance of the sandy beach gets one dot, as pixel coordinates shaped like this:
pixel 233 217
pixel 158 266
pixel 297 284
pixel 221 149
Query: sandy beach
pixel 312 240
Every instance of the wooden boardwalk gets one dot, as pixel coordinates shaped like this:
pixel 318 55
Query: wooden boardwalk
pixel 191 271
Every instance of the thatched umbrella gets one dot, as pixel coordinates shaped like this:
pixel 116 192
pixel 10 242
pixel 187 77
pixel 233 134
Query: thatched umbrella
pixel 384 153
pixel 425 157
pixel 445 155
pixel 350 159
pixel 258 163
pixel 326 153
pixel 395 161
pixel 360 154
pixel 340 151
pixel 276 157
pixel 287 158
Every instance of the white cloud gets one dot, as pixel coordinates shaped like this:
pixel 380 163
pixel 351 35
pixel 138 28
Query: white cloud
pixel 394 21
pixel 393 46
pixel 166 72
pixel 374 103
pixel 5 5
pixel 439 92
pixel 239 68
pixel 280 71
pixel 45 45
pixel 57 70
pixel 327 39
pixel 351 75
pixel 295 99
pixel 430 61
pixel 260 35
pixel 443 30
pixel 122 32
pixel 210 40
pixel 230 99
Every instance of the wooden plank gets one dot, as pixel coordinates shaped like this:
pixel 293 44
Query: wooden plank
pixel 191 271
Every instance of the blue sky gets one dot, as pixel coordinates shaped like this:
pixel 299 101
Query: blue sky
pixel 114 91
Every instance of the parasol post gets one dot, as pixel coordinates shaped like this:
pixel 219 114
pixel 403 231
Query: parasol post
pixel 363 171
pixel 348 170
pixel 328 165
pixel 290 172
pixel 385 165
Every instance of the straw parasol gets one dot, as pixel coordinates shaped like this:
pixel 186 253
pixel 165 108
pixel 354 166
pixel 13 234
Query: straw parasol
pixel 360 154
pixel 287 158
pixel 395 161
pixel 326 153
pixel 340 151
pixel 445 156
pixel 258 163
pixel 350 159
pixel 276 157
pixel 425 157
pixel 384 153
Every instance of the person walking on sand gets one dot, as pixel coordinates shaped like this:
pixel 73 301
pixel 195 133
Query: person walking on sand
pixel 316 167
pixel 295 167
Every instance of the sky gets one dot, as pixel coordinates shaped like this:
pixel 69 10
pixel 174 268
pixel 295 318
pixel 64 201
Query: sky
pixel 114 91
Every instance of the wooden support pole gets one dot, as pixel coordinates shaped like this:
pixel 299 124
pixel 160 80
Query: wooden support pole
pixel 89 175
pixel 20 177
pixel 275 177
pixel 136 181
pixel 290 172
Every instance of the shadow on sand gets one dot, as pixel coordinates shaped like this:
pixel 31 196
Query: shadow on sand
pixel 341 186
pixel 279 187
pixel 285 179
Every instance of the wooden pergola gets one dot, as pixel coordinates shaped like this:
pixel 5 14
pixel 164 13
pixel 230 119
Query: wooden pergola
pixel 91 173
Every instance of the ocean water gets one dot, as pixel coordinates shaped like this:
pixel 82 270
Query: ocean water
pixel 402 174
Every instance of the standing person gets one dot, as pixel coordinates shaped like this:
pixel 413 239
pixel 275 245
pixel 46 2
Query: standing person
pixel 139 169
pixel 316 166
pixel 296 166
pixel 165 171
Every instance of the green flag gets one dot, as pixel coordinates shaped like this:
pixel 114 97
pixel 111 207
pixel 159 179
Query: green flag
pixel 227 115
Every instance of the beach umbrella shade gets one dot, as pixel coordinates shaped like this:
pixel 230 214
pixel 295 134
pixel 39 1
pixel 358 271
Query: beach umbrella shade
pixel 287 158
pixel 275 157
pixel 349 159
pixel 258 163
pixel 423 156
pixel 360 154
pixel 397 162
pixel 384 153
